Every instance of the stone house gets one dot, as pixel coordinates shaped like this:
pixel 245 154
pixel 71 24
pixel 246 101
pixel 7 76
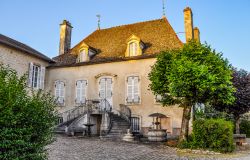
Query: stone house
pixel 110 64
pixel 113 64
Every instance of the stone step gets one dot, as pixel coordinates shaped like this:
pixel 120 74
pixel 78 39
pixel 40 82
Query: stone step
pixel 121 126
pixel 117 132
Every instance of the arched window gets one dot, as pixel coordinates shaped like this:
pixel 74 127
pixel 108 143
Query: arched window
pixel 133 51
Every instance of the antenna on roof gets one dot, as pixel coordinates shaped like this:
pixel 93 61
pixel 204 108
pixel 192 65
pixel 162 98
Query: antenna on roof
pixel 99 21
pixel 163 9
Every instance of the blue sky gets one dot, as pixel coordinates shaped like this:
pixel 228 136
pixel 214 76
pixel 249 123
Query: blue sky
pixel 224 24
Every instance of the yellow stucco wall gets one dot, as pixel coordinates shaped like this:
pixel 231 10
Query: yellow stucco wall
pixel 121 70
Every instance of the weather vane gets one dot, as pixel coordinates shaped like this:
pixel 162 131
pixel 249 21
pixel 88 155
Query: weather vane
pixel 163 8
pixel 99 21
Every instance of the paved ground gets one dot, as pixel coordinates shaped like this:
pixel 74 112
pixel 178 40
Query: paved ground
pixel 71 148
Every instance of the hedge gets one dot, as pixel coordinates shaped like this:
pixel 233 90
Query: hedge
pixel 213 134
pixel 26 119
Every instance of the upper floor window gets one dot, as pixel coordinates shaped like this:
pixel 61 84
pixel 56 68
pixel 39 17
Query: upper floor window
pixel 134 46
pixel 81 91
pixel 36 76
pixel 60 92
pixel 133 89
pixel 133 51
pixel 83 56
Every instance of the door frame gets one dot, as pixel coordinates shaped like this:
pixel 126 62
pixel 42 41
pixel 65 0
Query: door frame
pixel 112 81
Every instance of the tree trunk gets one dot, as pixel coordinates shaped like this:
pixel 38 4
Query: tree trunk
pixel 185 123
pixel 237 125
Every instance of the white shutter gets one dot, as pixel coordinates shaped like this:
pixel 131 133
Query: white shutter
pixel 61 94
pixel 130 89
pixel 78 92
pixel 136 90
pixel 57 90
pixel 102 85
pixel 42 77
pixel 38 77
pixel 109 88
pixel 30 74
pixel 83 91
pixel 133 94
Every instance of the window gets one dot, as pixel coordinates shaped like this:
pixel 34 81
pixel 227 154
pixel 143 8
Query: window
pixel 60 92
pixel 36 76
pixel 135 124
pixel 83 56
pixel 81 88
pixel 133 89
pixel 105 89
pixel 133 49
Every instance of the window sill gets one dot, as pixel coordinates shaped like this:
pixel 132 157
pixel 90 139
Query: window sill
pixel 133 103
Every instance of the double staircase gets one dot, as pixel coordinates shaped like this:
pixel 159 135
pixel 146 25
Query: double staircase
pixel 114 122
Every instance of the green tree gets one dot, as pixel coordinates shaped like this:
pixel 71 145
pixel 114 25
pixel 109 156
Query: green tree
pixel 193 74
pixel 26 119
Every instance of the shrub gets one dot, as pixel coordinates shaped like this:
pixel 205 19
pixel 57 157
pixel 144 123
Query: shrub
pixel 245 127
pixel 214 134
pixel 26 119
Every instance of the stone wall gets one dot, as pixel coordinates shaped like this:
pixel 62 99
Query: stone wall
pixel 18 60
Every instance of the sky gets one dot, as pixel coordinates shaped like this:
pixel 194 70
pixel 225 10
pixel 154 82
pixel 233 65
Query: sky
pixel 224 24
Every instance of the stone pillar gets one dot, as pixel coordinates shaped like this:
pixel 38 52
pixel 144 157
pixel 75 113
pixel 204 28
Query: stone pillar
pixel 105 122
pixel 188 21
pixel 65 37
pixel 197 34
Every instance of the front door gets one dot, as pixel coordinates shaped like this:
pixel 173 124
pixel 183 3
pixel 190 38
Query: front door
pixel 105 89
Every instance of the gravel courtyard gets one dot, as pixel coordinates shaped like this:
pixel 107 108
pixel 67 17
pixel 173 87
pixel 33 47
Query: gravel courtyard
pixel 73 148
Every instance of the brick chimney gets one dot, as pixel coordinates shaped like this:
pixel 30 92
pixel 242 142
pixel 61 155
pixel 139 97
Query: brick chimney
pixel 65 37
pixel 188 21
pixel 197 34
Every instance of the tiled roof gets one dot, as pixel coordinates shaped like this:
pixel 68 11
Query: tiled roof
pixel 22 47
pixel 111 43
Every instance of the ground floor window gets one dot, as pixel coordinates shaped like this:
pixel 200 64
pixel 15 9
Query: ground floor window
pixel 135 124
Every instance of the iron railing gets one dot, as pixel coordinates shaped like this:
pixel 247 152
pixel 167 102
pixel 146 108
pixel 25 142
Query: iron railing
pixel 92 106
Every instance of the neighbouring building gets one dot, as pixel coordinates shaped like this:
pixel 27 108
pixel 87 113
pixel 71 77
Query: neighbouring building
pixel 25 60
pixel 111 64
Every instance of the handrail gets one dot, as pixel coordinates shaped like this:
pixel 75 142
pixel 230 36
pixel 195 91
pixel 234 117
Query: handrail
pixel 125 112
pixel 99 105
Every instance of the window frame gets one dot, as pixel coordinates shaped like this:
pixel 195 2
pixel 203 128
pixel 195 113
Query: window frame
pixel 64 92
pixel 86 91
pixel 133 46
pixel 110 100
pixel 139 90
pixel 36 77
